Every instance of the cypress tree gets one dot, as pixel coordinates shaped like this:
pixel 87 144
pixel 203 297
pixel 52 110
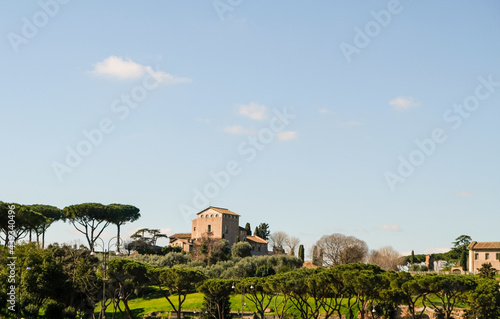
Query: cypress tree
pixel 315 260
pixel 463 260
pixel 412 258
pixel 301 252
pixel 248 229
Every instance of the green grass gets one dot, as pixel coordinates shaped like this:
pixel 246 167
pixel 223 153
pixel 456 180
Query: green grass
pixel 157 303
pixel 143 306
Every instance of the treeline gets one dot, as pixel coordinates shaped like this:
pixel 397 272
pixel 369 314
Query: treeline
pixel 68 282
pixel 90 219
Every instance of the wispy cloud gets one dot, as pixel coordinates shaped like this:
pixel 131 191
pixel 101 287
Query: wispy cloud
pixel 388 227
pixel 403 103
pixel 238 130
pixel 117 67
pixel 324 110
pixel 464 194
pixel 287 135
pixel 253 110
pixel 439 250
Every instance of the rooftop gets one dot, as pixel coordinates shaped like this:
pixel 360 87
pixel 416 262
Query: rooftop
pixel 484 245
pixel 181 235
pixel 220 210
pixel 256 239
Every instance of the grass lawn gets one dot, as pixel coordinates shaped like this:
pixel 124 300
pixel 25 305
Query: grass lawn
pixel 156 303
pixel 143 306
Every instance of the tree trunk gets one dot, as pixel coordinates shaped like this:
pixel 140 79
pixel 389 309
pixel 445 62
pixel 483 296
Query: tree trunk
pixel 118 238
pixel 127 309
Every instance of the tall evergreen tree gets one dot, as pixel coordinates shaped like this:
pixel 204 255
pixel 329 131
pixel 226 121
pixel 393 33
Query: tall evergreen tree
pixel 463 260
pixel 301 252
pixel 248 229
pixel 316 261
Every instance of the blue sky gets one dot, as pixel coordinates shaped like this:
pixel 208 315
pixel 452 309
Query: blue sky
pixel 377 120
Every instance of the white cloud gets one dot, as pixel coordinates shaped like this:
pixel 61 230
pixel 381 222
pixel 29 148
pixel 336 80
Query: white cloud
pixel 238 130
pixel 286 135
pixel 404 103
pixel 253 110
pixel 464 194
pixel 127 69
pixel 436 250
pixel 324 110
pixel 387 227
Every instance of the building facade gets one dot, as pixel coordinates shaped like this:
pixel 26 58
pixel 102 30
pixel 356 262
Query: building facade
pixel 481 253
pixel 217 223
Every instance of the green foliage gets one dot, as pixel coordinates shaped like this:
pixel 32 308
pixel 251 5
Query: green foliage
pixel 169 260
pixel 82 284
pixel 484 301
pixel 242 249
pixel 448 289
pixel 176 281
pixel 316 257
pixel 54 310
pixel 301 254
pixel 248 229
pixel 171 249
pixel 262 231
pixel 128 277
pixel 89 219
pixel 487 271
pixel 264 271
pixel 463 260
pixel 216 303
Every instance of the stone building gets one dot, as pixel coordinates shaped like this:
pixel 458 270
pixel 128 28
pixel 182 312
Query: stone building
pixel 217 223
pixel 480 253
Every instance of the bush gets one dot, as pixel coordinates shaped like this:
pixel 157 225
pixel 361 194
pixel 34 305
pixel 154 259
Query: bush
pixel 241 249
pixel 69 313
pixel 264 271
pixel 54 310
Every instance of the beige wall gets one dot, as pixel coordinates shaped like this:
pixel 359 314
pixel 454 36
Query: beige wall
pixel 476 261
pixel 218 222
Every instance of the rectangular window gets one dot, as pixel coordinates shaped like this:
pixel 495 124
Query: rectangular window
pixel 194 228
pixel 498 256
pixel 226 229
pixel 476 256
pixel 486 256
pixel 259 248
pixel 209 228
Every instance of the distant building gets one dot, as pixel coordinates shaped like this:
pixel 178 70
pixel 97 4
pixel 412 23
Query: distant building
pixel 481 253
pixel 217 223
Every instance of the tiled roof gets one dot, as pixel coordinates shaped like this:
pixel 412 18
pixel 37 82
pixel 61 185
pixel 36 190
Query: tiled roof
pixel 220 210
pixel 256 239
pixel 181 235
pixel 485 245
